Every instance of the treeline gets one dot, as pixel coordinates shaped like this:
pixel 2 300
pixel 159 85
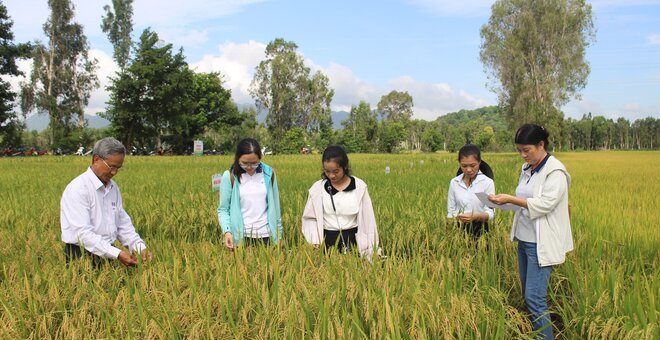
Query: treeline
pixel 158 102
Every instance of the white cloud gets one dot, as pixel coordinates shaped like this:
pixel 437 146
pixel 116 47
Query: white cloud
pixel 653 39
pixel 630 110
pixel 456 8
pixel 174 20
pixel 107 68
pixel 349 89
pixel 622 3
pixel 435 99
pixel 236 63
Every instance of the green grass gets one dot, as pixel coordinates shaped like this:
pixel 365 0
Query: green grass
pixel 435 284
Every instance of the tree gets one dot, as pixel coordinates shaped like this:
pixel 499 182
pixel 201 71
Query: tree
pixel 390 136
pixel 396 106
pixel 282 85
pixel 118 25
pixel 10 126
pixel 534 52
pixel 63 75
pixel 432 139
pixel 211 108
pixel 151 96
pixel 360 128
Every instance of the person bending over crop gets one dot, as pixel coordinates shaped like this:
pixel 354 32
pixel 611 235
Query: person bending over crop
pixel 542 226
pixel 338 212
pixel 92 214
pixel 474 176
pixel 249 211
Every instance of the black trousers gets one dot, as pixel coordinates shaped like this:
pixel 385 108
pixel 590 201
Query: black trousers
pixel 74 251
pixel 476 228
pixel 250 241
pixel 343 240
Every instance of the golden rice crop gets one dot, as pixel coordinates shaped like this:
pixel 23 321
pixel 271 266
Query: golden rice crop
pixel 435 283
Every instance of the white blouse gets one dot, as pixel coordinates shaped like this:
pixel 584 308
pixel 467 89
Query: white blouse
pixel 252 191
pixel 347 205
pixel 525 229
pixel 462 198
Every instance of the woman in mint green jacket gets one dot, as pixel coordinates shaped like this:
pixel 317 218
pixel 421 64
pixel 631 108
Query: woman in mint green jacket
pixel 249 211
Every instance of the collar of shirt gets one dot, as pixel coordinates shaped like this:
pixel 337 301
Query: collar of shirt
pixel 531 171
pixel 332 191
pixel 479 178
pixel 96 181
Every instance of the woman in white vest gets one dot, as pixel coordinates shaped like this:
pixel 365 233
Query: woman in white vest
pixel 338 210
pixel 542 226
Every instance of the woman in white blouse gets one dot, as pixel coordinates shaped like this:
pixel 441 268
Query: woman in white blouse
pixel 463 206
pixel 338 210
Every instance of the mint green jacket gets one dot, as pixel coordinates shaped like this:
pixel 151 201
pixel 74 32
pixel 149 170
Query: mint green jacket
pixel 229 210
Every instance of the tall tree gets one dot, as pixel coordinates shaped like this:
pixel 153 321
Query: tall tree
pixel 534 52
pixel 118 25
pixel 149 98
pixel 396 106
pixel 63 75
pixel 10 126
pixel 282 85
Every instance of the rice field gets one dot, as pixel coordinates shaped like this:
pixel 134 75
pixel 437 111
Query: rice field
pixel 436 283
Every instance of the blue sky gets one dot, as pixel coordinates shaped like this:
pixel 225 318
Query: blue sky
pixel 429 48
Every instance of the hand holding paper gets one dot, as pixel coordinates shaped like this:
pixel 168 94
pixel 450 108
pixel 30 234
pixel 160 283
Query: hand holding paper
pixel 483 197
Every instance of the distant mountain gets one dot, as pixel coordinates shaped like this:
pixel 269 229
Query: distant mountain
pixel 337 116
pixel 39 122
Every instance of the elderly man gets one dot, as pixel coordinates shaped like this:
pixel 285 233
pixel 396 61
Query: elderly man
pixel 92 215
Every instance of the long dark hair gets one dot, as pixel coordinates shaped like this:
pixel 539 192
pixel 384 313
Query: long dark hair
pixel 337 154
pixel 473 150
pixel 532 134
pixel 245 146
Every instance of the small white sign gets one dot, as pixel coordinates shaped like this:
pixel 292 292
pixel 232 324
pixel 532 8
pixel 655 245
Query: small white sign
pixel 216 180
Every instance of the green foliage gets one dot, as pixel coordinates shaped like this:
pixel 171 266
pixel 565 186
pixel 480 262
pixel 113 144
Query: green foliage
pixel 10 125
pixel 293 140
pixel 282 84
pixel 390 136
pixel 534 52
pixel 118 25
pixel 63 75
pixel 396 106
pixel 360 129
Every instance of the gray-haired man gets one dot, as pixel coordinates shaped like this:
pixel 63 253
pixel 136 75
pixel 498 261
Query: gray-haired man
pixel 92 215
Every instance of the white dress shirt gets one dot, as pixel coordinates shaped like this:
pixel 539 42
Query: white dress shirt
pixel 462 198
pixel 92 215
pixel 254 208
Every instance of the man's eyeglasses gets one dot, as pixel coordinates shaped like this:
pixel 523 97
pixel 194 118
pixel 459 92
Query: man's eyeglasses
pixel 112 168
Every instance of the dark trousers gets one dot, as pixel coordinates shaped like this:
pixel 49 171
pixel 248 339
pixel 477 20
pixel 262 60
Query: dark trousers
pixel 475 229
pixel 250 241
pixel 343 240
pixel 74 251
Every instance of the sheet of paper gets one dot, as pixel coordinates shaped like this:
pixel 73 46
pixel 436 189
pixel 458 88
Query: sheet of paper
pixel 483 197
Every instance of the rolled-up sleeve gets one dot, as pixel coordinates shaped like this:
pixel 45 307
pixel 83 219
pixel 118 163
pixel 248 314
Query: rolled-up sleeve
pixel 490 190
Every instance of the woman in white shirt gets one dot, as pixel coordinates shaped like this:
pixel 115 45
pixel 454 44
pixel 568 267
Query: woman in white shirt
pixel 542 226
pixel 463 206
pixel 249 211
pixel 339 210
